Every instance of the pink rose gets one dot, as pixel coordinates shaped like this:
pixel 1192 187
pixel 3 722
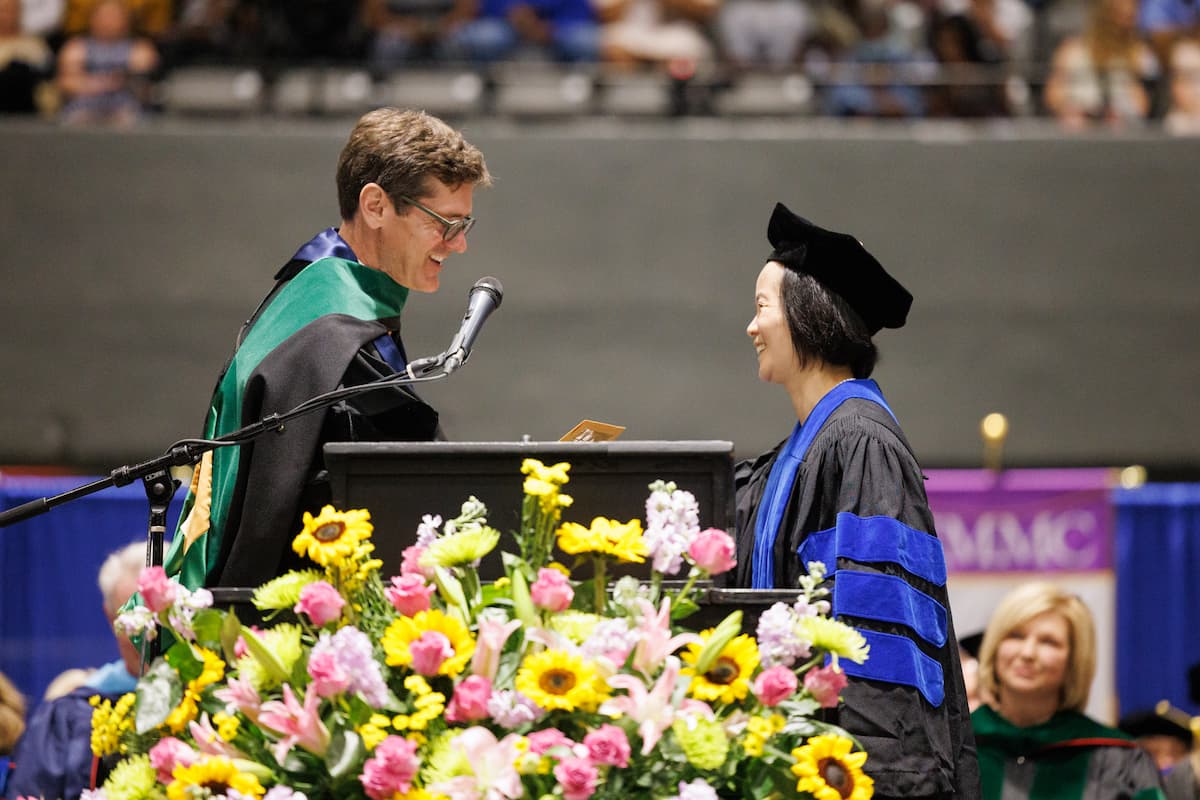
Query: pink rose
pixel 578 778
pixel 429 652
pixel 391 769
pixel 168 754
pixel 608 745
pixel 469 703
pixel 547 739
pixel 156 589
pixel 411 562
pixel 551 591
pixel 409 594
pixel 826 685
pixel 321 603
pixel 328 676
pixel 774 685
pixel 713 551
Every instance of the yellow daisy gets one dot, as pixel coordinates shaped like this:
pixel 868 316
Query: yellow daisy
pixel 559 680
pixel 727 679
pixel 834 637
pixel 405 630
pixel 826 769
pixel 217 775
pixel 332 536
pixel 622 541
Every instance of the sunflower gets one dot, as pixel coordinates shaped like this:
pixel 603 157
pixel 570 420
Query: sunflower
pixel 622 541
pixel 557 679
pixel 217 775
pixel 405 630
pixel 834 637
pixel 827 770
pixel 727 679
pixel 332 536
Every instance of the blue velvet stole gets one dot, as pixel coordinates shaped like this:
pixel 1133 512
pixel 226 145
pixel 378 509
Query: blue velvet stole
pixel 329 244
pixel 783 473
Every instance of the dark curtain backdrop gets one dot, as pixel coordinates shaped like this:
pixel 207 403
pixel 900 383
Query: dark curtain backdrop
pixel 1158 594
pixel 51 614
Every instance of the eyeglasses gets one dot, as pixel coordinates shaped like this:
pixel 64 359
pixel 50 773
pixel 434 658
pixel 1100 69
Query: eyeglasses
pixel 451 227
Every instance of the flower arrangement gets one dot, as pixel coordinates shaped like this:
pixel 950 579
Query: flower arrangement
pixel 437 685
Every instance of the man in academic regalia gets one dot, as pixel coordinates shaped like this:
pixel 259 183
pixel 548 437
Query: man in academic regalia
pixel 845 489
pixel 405 184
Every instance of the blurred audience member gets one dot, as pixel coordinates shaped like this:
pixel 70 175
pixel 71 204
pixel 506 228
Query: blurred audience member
pixel 672 33
pixel 971 83
pixel 1036 667
pixel 565 30
pixel 880 74
pixel 152 18
pixel 406 31
pixel 762 33
pixel 1101 76
pixel 54 757
pixel 1165 740
pixel 43 18
pixel 104 75
pixel 968 656
pixel 1183 113
pixel 1167 21
pixel 312 30
pixel 1004 28
pixel 213 31
pixel 12 721
pixel 25 62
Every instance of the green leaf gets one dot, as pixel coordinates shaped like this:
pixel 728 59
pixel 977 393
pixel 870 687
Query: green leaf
pixel 208 624
pixel 522 602
pixel 345 753
pixel 264 656
pixel 158 692
pixel 231 629
pixel 722 635
pixel 184 660
pixel 683 609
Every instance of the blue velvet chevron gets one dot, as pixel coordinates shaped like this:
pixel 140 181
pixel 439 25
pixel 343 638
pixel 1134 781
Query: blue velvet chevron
pixel 874 540
pixel 897 659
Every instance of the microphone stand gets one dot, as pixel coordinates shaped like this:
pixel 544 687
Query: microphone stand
pixel 155 473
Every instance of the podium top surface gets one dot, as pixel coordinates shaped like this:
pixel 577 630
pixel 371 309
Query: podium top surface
pixel 531 448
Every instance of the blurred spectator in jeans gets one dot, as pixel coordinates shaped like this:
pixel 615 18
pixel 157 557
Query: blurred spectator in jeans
pixel 1100 77
pixel 762 33
pixel 565 30
pixel 406 31
pixel 672 33
pixel 879 75
pixel 152 18
pixel 104 74
pixel 1183 115
pixel 25 62
pixel 970 84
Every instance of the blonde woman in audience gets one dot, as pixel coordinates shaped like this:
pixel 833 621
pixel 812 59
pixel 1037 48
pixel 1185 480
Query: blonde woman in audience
pixel 1036 666
pixel 1101 76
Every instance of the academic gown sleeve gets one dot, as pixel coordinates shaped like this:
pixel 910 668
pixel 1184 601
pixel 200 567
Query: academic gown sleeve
pixel 860 483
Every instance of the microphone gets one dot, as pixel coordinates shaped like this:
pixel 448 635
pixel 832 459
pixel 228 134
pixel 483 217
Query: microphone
pixel 483 299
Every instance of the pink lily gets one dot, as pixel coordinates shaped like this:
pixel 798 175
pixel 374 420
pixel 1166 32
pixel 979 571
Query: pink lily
pixel 654 710
pixel 493 633
pixel 299 724
pixel 208 742
pixel 240 695
pixel 493 762
pixel 655 641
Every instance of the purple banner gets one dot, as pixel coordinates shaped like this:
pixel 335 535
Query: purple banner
pixel 1052 520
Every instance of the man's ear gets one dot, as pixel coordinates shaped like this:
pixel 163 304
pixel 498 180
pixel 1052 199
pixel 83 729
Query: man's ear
pixel 373 205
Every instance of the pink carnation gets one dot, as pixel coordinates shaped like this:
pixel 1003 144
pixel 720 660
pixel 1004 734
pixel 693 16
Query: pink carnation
pixel 470 700
pixel 410 563
pixel 328 677
pixel 168 754
pixel 578 778
pixel 774 685
pixel 608 745
pixel 551 591
pixel 429 652
pixel 391 769
pixel 713 551
pixel 321 603
pixel 826 685
pixel 546 739
pixel 156 589
pixel 409 594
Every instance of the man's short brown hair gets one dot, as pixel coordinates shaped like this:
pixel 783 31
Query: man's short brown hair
pixel 401 150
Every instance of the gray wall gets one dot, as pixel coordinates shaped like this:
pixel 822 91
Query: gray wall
pixel 1055 281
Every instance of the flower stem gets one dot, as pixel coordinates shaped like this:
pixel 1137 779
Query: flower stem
pixel 600 584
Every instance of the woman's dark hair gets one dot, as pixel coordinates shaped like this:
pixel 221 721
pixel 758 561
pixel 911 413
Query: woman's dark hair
pixel 824 326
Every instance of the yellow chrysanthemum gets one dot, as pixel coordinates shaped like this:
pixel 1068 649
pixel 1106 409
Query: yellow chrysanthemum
pixel 827 770
pixel 464 547
pixel 216 774
pixel 405 630
pixel 332 536
pixel 185 712
pixel 559 680
pixel 622 541
pixel 285 644
pixel 132 779
pixel 703 741
pixel 109 723
pixel 212 671
pixel 834 637
pixel 727 679
pixel 284 591
pixel 578 626
pixel 444 761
